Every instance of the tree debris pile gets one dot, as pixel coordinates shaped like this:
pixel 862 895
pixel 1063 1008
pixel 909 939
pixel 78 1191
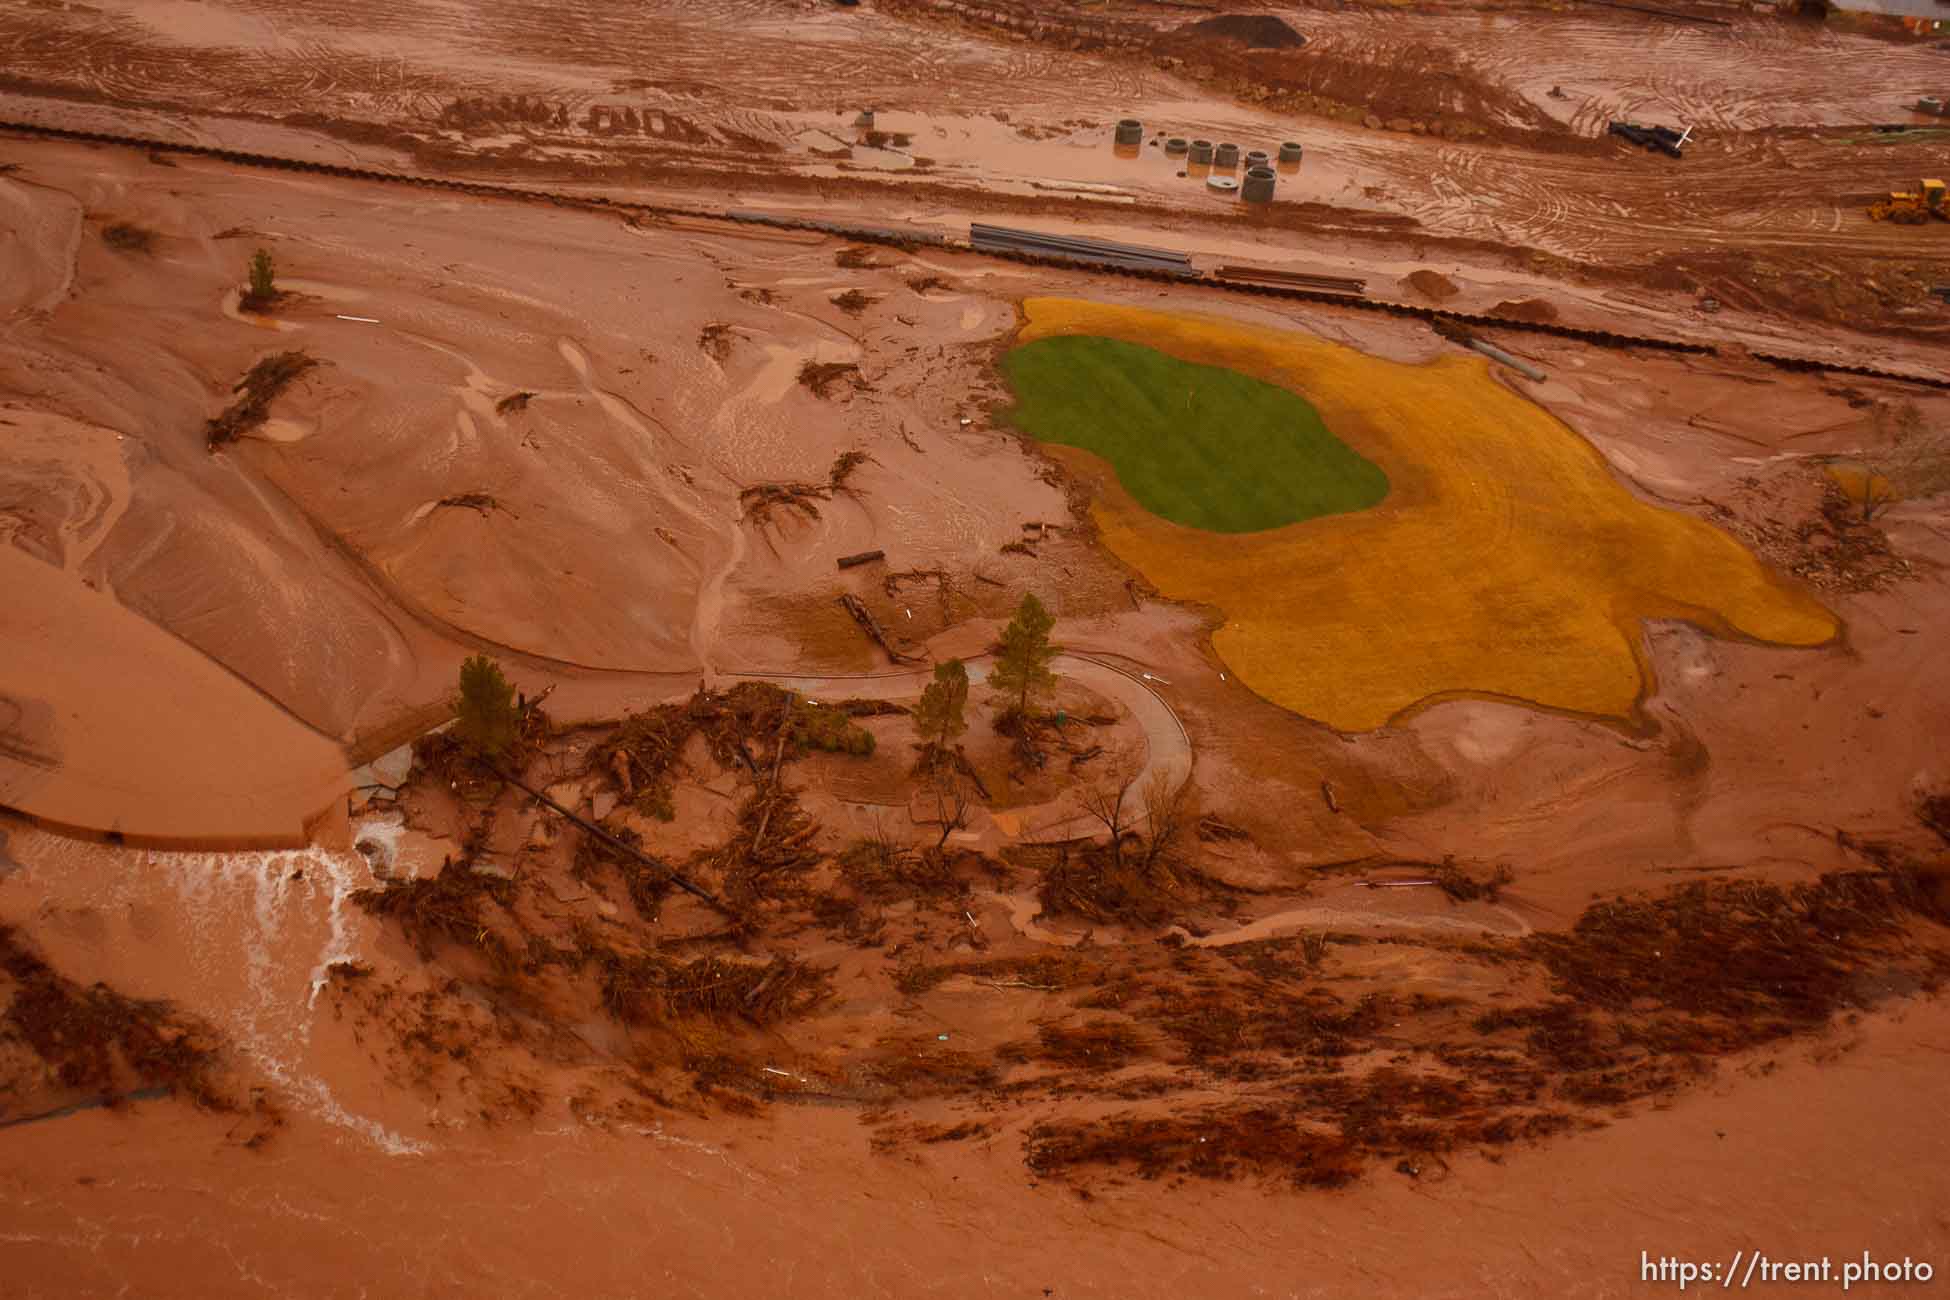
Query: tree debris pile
pixel 646 886
pixel 1463 887
pixel 259 387
pixel 770 852
pixel 893 1137
pixel 447 908
pixel 1113 886
pixel 651 989
pixel 715 341
pixel 1647 993
pixel 442 757
pixel 1095 1045
pixel 819 377
pixel 1221 1143
pixel 1043 973
pixel 128 237
pixel 1755 960
pixel 483 502
pixel 883 871
pixel 739 727
pixel 1132 877
pixel 1832 546
pixel 1229 1026
pixel 921 1065
pixel 762 500
pixel 95 1041
pixel 1319 1075
pixel 754 728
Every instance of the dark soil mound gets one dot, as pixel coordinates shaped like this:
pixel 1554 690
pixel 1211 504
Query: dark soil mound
pixel 1535 310
pixel 1431 284
pixel 1257 31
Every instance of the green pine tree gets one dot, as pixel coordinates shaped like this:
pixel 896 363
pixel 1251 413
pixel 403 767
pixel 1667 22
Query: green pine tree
pixel 1021 669
pixel 264 284
pixel 487 721
pixel 940 717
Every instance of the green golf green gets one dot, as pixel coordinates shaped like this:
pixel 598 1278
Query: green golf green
pixel 1202 446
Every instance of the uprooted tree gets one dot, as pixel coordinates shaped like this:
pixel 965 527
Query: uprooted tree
pixel 1021 670
pixel 487 720
pixel 263 384
pixel 761 500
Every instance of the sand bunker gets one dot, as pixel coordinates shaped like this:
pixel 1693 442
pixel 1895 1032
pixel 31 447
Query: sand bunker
pixel 1506 560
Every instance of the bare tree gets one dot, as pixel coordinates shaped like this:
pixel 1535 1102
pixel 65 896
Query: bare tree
pixel 1170 808
pixel 1113 797
pixel 953 789
pixel 1916 462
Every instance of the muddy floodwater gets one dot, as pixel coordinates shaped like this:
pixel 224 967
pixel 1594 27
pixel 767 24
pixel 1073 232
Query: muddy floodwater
pixel 574 744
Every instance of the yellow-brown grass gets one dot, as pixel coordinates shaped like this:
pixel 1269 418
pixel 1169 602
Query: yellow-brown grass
pixel 1506 559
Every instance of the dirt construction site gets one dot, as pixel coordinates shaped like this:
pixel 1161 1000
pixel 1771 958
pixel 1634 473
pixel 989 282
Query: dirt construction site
pixel 920 647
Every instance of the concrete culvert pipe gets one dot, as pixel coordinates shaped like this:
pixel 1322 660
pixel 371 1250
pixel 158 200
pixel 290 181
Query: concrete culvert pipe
pixel 1227 156
pixel 1259 185
pixel 1201 151
pixel 1257 158
pixel 1176 145
pixel 1290 152
pixel 1130 131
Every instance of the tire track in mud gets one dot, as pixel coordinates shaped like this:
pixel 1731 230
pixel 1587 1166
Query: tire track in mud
pixel 910 239
pixel 1614 65
pixel 1565 205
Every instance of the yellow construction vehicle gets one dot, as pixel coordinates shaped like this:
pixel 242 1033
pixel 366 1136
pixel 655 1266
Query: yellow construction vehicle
pixel 1912 208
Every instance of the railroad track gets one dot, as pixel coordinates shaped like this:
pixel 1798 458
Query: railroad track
pixel 1078 257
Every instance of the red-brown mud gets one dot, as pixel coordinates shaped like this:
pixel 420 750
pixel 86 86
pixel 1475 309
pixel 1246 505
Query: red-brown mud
pixel 1486 1002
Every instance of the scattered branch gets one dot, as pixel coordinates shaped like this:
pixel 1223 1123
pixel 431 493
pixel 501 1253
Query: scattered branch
pixel 820 376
